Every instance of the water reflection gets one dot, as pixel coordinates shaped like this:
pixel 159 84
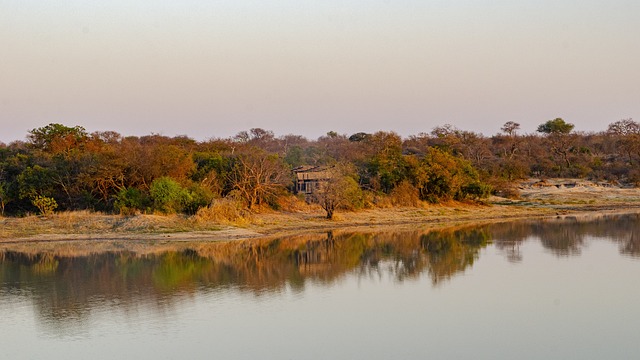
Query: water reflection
pixel 67 284
pixel 566 236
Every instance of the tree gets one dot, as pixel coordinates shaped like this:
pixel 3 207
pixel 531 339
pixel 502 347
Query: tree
pixel 57 137
pixel 386 164
pixel 445 137
pixel 627 135
pixel 4 191
pixel 152 157
pixel 558 134
pixel 257 176
pixel 338 191
pixel 360 136
pixel 624 127
pixel 35 181
pixel 108 174
pixel 556 126
pixel 510 128
pixel 443 176
pixel 257 137
pixel 474 147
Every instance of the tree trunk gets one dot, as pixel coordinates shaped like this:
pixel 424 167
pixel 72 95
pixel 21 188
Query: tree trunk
pixel 329 214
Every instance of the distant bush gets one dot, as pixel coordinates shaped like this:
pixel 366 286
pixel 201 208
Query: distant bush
pixel 130 200
pixel 45 205
pixel 168 196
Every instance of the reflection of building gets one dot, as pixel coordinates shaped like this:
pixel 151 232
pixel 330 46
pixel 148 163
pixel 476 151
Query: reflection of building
pixel 309 178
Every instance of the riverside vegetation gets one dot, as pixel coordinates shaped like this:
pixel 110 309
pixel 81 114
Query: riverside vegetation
pixel 61 168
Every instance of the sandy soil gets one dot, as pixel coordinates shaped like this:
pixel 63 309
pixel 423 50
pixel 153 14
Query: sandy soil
pixel 538 199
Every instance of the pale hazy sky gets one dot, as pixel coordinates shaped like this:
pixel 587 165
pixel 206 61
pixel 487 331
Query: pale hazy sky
pixel 213 68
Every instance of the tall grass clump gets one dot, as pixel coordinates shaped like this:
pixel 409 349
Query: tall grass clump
pixel 224 211
pixel 405 194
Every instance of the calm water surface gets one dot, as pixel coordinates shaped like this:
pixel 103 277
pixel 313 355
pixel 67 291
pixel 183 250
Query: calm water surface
pixel 553 289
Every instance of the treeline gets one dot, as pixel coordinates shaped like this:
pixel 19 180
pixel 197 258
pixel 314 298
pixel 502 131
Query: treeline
pixel 66 168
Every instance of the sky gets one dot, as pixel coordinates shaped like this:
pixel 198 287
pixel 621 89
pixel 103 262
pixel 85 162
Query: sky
pixel 213 68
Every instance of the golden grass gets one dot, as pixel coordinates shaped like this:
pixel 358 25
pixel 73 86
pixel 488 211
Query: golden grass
pixel 223 211
pixel 225 219
pixel 92 223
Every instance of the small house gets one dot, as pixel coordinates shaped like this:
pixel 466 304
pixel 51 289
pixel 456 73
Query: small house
pixel 309 178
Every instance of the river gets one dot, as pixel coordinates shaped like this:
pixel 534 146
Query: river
pixel 564 288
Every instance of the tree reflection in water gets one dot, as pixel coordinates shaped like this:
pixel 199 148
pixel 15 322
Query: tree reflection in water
pixel 566 236
pixel 66 283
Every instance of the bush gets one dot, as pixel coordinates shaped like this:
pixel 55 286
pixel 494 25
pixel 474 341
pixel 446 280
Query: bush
pixel 168 196
pixel 475 190
pixel 196 197
pixel 405 194
pixel 45 205
pixel 129 201
pixel 353 194
pixel 634 177
pixel 447 177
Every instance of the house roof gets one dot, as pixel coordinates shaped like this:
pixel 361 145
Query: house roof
pixel 313 172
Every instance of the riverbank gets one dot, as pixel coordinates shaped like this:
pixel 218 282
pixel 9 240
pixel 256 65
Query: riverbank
pixel 538 199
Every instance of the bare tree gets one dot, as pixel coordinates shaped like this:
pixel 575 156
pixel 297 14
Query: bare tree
pixel 256 176
pixel 510 128
pixel 627 135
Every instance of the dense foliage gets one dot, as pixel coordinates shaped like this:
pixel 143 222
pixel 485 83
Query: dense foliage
pixel 65 168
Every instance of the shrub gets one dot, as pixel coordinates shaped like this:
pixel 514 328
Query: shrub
pixel 475 190
pixel 353 194
pixel 129 201
pixel 196 197
pixel 446 177
pixel 45 205
pixel 634 177
pixel 405 194
pixel 167 195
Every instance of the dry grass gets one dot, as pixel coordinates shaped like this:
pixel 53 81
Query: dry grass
pixel 226 220
pixel 223 211
pixel 405 194
pixel 292 203
pixel 91 223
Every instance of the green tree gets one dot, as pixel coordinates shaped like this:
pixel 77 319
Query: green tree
pixel 558 135
pixel 35 181
pixel 555 126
